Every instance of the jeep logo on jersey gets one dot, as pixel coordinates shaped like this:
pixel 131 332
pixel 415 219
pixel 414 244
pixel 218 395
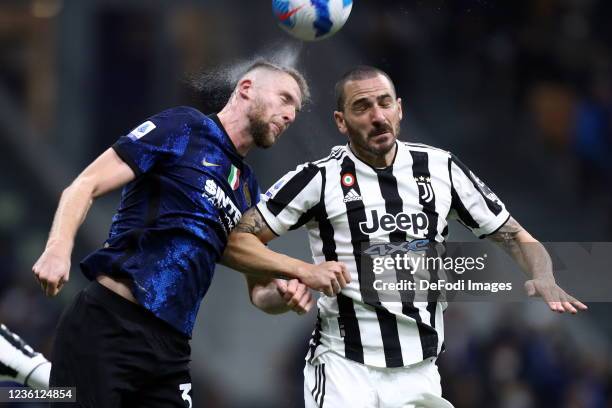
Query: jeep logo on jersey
pixel 416 223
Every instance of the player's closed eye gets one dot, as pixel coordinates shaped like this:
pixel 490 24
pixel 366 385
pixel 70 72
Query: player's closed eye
pixel 287 99
pixel 360 107
pixel 386 102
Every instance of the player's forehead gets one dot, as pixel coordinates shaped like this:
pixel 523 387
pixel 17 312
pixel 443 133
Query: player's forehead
pixel 368 88
pixel 280 81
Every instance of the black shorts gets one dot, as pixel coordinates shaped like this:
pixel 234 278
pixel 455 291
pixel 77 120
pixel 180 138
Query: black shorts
pixel 118 354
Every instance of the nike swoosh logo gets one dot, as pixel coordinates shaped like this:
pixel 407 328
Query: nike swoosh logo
pixel 209 164
pixel 285 16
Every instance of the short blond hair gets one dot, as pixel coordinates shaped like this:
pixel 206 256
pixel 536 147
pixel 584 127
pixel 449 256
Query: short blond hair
pixel 294 73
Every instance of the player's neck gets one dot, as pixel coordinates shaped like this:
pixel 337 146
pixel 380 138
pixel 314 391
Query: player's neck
pixel 237 127
pixel 374 160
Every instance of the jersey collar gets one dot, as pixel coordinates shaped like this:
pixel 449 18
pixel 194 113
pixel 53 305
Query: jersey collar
pixel 376 169
pixel 215 119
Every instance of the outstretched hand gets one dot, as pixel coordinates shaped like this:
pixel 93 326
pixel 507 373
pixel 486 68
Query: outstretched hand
pixel 558 300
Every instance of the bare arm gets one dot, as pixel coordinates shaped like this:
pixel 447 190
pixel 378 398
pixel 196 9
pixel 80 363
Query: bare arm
pixel 108 172
pixel 533 258
pixel 247 253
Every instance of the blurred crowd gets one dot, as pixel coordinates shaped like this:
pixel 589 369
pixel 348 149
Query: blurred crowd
pixel 527 82
pixel 523 362
pixel 533 76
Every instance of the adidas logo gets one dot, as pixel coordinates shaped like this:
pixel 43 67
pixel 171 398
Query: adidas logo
pixel 352 196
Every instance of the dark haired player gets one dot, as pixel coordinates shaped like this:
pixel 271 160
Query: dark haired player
pixel 124 341
pixel 366 353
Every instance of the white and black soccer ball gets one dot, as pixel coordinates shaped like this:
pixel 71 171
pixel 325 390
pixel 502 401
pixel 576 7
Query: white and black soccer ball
pixel 311 20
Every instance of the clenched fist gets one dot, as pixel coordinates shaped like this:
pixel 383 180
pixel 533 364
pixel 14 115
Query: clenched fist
pixel 52 270
pixel 296 295
pixel 327 277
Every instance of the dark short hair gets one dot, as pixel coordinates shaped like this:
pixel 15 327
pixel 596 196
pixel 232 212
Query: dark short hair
pixel 355 74
pixel 294 73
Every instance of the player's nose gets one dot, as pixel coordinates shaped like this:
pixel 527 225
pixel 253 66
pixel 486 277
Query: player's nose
pixel 376 115
pixel 289 116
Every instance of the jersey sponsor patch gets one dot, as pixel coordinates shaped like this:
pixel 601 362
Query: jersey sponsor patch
pixel 277 186
pixel 415 223
pixel 142 130
pixel 229 214
pixel 484 188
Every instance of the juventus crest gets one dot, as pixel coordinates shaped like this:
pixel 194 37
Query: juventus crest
pixel 426 193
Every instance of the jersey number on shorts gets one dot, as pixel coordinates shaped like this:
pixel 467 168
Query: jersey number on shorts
pixel 185 388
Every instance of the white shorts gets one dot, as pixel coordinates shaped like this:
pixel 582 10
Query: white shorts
pixel 332 381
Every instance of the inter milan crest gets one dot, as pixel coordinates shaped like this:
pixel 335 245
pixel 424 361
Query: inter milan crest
pixel 426 193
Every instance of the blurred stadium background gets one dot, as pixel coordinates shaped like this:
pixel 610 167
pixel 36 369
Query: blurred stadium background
pixel 521 91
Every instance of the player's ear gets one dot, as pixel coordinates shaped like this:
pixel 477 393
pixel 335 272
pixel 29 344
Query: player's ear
pixel 339 118
pixel 399 107
pixel 244 88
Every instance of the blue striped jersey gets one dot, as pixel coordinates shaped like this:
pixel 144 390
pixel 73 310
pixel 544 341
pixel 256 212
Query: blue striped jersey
pixel 172 224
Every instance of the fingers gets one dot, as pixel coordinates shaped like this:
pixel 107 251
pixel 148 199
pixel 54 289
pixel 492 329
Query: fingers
pixel 571 304
pixel 306 303
pixel 298 297
pixel 345 273
pixel 328 277
pixel 340 282
pixel 281 286
pixel 342 277
pixel 295 291
pixel 50 285
pixel 51 272
pixel 556 298
pixel 547 292
pixel 51 289
pixel 578 304
pixel 553 300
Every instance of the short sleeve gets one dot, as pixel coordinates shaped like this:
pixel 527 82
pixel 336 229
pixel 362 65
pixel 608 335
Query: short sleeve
pixel 161 138
pixel 473 203
pixel 290 201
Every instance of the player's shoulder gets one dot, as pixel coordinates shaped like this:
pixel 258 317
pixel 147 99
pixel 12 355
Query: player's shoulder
pixel 327 163
pixel 334 158
pixel 422 147
pixel 180 114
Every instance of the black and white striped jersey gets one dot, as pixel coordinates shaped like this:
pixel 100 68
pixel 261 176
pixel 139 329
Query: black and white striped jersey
pixel 345 203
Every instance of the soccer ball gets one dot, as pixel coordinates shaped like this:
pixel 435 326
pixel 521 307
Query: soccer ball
pixel 311 20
